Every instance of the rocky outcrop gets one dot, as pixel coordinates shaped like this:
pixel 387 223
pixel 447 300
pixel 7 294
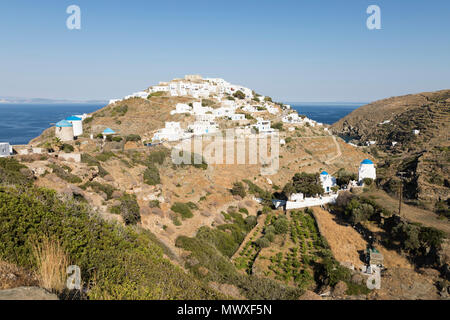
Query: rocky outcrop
pixel 27 293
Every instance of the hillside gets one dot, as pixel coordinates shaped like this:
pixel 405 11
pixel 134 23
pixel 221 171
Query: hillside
pixel 211 225
pixel 410 136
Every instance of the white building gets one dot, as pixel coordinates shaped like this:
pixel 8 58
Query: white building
pixel 171 132
pixel 181 108
pixel 263 125
pixel 140 94
pixel 327 181
pixel 366 170
pixel 199 128
pixel 77 124
pixel 5 149
pixel 237 116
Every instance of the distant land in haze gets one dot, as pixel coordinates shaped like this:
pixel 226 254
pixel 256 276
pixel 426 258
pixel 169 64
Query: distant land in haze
pixel 40 101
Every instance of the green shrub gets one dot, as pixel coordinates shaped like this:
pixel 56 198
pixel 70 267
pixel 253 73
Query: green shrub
pixel 277 126
pixel 104 156
pixel 129 209
pixel 93 162
pixel 117 139
pixel 281 225
pixel 120 262
pixel 133 137
pixel 10 172
pixel 154 204
pixel 151 175
pixel 183 209
pixel 120 110
pixel 96 186
pixel 262 242
pixel 238 190
pixel 67 148
pixel 63 174
pixel 239 94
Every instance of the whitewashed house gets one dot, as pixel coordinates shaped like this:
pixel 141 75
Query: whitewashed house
pixel 140 94
pixel 366 170
pixel 171 132
pixel 237 116
pixel 181 108
pixel 5 149
pixel 327 181
pixel 263 126
pixel 199 128
pixel 272 110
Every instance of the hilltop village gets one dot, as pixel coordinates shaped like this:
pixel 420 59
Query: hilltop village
pixel 315 227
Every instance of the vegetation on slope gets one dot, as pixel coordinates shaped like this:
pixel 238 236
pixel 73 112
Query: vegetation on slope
pixel 116 262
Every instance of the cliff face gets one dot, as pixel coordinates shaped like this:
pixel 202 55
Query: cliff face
pixel 410 134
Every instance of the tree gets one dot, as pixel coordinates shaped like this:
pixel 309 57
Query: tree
pixel 307 183
pixel 238 190
pixel 343 177
pixel 289 189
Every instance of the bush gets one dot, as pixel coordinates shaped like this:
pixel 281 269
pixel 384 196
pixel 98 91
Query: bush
pixel 239 94
pixel 368 181
pixel 278 126
pixel 183 209
pixel 281 225
pixel 120 110
pixel 154 204
pixel 262 243
pixel 133 137
pixel 93 162
pixel 66 176
pixel 129 209
pixel 67 148
pixel 117 139
pixel 96 186
pixel 151 176
pixel 10 172
pixel 104 156
pixel 238 190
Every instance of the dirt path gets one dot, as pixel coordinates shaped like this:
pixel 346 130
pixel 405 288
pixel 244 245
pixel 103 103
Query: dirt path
pixel 339 152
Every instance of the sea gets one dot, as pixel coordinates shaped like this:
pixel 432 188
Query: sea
pixel 20 123
pixel 327 113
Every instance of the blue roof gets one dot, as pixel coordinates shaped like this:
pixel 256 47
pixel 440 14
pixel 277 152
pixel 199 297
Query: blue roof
pixel 63 123
pixel 73 118
pixel 324 173
pixel 109 131
pixel 366 161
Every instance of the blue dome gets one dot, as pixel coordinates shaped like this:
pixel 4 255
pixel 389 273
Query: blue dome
pixel 63 124
pixel 73 118
pixel 324 173
pixel 108 131
pixel 366 161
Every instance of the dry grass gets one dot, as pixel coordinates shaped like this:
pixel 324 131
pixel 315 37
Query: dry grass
pixel 52 262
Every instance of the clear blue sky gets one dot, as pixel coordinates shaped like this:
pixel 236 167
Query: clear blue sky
pixel 313 50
